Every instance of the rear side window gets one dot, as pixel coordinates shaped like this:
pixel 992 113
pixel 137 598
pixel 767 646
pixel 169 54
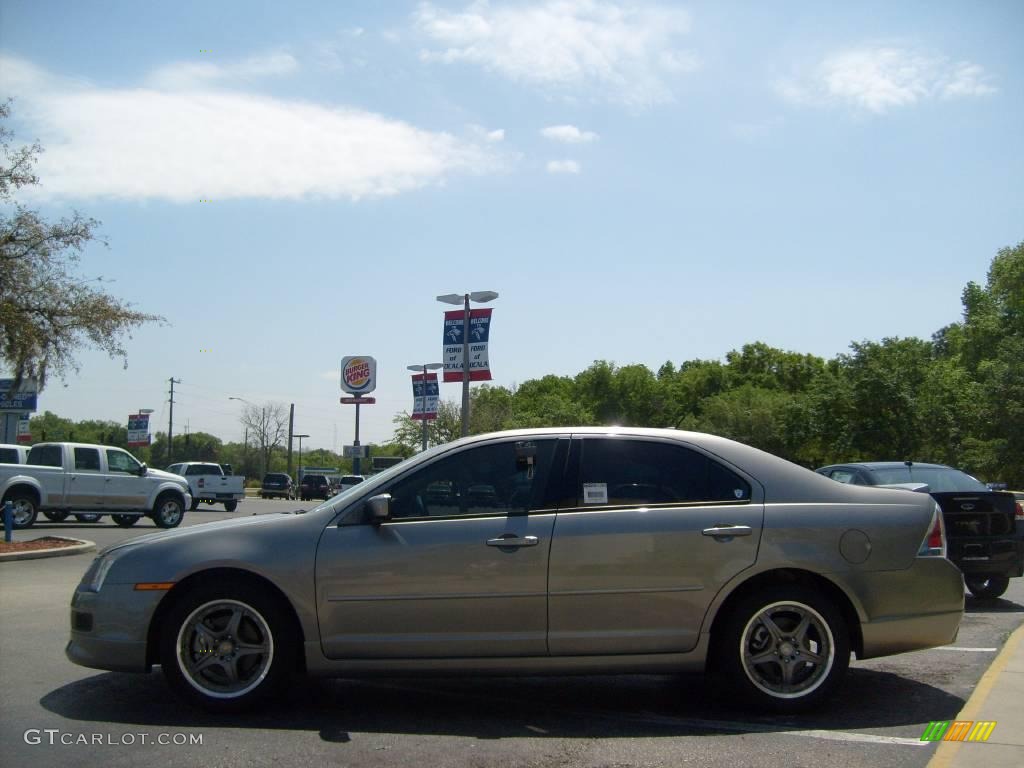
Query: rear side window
pixel 87 459
pixel 621 472
pixel 842 476
pixel 45 456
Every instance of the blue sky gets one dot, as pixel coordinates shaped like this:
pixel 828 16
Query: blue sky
pixel 640 181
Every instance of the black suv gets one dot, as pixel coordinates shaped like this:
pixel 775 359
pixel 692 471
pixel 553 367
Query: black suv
pixel 984 529
pixel 277 484
pixel 315 487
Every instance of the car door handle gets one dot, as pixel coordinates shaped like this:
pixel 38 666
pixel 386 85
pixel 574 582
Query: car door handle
pixel 510 540
pixel 728 531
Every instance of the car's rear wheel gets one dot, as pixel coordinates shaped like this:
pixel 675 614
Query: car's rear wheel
pixel 230 506
pixel 88 518
pixel 24 509
pixel 227 646
pixel 125 521
pixel 194 505
pixel 987 587
pixel 783 649
pixel 55 515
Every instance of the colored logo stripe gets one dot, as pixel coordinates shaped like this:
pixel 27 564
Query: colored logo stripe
pixel 958 730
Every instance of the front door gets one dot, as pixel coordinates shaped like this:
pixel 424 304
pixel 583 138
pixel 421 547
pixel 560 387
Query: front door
pixel 460 569
pixel 125 488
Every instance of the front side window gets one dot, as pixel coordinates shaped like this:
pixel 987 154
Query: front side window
pixel 842 476
pixel 497 479
pixel 622 472
pixel 87 459
pixel 119 461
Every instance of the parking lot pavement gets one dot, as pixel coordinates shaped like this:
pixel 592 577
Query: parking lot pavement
pixel 877 718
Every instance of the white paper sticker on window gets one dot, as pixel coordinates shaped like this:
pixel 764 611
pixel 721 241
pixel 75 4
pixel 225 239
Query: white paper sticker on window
pixel 595 493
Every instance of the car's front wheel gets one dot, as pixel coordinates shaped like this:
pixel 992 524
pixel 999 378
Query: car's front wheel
pixel 168 511
pixel 227 646
pixel 987 587
pixel 783 649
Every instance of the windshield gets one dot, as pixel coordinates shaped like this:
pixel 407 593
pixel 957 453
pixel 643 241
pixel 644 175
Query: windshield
pixel 939 479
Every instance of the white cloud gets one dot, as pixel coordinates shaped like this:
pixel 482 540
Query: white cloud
pixel 563 166
pixel 622 53
pixel 877 78
pixel 181 75
pixel 569 134
pixel 497 135
pixel 186 143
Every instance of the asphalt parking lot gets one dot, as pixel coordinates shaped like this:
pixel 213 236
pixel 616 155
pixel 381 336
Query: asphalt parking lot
pixel 53 713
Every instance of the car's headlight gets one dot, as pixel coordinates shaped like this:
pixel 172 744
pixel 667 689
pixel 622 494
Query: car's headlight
pixel 93 581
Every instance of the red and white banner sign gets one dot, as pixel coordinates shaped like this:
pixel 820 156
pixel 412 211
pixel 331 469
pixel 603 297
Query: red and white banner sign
pixel 424 397
pixel 138 430
pixel 454 338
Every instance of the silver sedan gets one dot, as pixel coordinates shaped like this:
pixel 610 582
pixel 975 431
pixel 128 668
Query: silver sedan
pixel 562 551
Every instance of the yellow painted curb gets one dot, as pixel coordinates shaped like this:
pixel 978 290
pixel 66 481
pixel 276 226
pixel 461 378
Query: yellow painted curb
pixel 947 750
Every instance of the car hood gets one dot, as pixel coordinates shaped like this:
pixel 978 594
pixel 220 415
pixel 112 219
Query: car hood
pixel 204 530
pixel 160 474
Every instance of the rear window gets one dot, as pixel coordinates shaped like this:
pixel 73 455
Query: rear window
pixel 9 456
pixel 939 479
pixel 275 478
pixel 45 456
pixel 203 469
pixel 351 479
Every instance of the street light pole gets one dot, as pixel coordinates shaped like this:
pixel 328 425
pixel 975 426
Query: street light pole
pixel 464 299
pixel 425 367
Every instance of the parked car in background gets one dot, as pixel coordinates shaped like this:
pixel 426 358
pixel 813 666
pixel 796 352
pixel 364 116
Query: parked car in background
pixel 347 481
pixel 743 564
pixel 90 480
pixel 12 454
pixel 985 528
pixel 315 486
pixel 277 485
pixel 211 483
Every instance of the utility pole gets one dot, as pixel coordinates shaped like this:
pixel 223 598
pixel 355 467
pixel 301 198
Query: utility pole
pixel 170 419
pixel 291 428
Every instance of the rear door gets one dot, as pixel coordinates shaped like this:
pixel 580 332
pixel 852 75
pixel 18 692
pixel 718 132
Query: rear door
pixel 650 533
pixel 87 482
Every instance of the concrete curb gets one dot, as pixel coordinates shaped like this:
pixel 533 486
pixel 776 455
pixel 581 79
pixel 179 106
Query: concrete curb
pixel 946 754
pixel 81 546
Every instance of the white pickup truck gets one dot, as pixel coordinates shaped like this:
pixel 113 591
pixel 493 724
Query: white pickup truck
pixel 89 480
pixel 211 483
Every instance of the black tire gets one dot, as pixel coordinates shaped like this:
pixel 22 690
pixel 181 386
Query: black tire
pixel 194 505
pixel 784 631
pixel 168 510
pixel 55 515
pixel 205 667
pixel 125 521
pixel 230 506
pixel 987 587
pixel 26 509
pixel 88 518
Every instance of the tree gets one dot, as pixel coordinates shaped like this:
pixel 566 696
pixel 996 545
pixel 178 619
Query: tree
pixel 47 310
pixel 445 428
pixel 268 427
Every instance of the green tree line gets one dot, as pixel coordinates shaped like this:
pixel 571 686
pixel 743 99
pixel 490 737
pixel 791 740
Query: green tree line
pixel 957 398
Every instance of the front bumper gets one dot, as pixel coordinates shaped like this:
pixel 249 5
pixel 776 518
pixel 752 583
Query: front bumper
pixel 109 628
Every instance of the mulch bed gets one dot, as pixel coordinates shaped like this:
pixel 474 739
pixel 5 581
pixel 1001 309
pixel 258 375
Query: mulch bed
pixel 44 542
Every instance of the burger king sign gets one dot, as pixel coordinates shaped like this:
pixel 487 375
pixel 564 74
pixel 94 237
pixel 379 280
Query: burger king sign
pixel 358 374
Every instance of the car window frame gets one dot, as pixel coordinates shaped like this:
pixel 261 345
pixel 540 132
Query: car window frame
pixel 574 477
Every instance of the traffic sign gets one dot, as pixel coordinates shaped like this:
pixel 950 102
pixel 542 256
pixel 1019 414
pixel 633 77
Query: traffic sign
pixel 358 400
pixel 355 451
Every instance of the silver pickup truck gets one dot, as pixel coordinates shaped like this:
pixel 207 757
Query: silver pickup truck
pixel 211 483
pixel 90 480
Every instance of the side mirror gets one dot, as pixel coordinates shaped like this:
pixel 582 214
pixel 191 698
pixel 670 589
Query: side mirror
pixel 141 471
pixel 379 508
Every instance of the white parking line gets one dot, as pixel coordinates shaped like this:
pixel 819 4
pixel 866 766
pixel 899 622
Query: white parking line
pixel 972 650
pixel 729 726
